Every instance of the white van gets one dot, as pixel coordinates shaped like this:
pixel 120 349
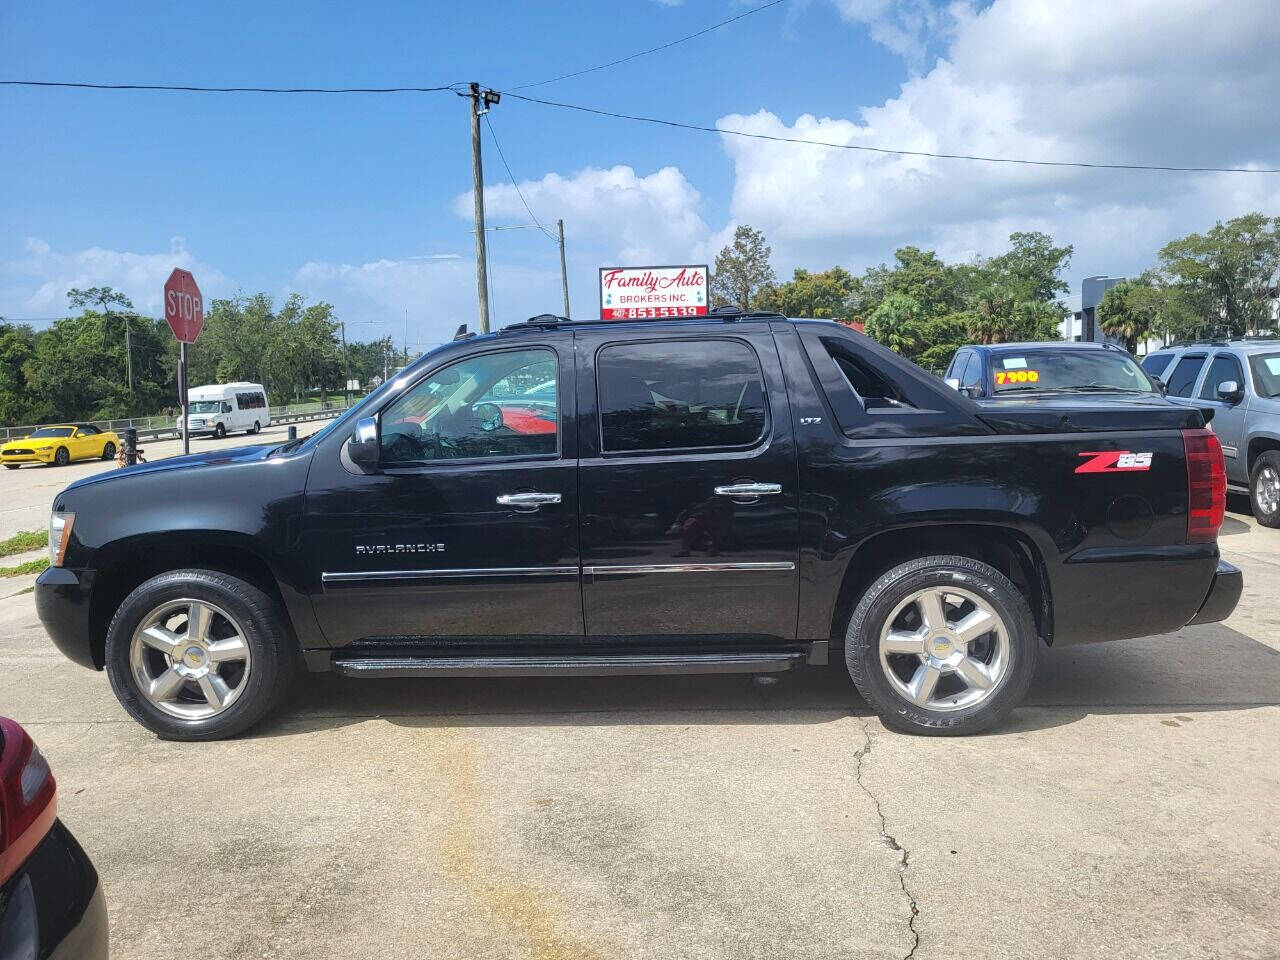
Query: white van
pixel 224 408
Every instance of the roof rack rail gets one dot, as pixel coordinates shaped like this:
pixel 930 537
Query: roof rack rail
pixel 725 313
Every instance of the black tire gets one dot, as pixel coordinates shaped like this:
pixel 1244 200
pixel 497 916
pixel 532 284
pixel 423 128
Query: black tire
pixel 109 451
pixel 257 427
pixel 862 641
pixel 61 457
pixel 274 656
pixel 12 466
pixel 219 432
pixel 1268 461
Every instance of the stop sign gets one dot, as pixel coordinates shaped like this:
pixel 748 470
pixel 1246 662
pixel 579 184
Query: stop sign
pixel 183 306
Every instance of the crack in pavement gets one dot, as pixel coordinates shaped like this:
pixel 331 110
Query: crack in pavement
pixel 904 860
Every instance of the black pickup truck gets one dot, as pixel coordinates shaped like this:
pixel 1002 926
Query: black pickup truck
pixel 735 493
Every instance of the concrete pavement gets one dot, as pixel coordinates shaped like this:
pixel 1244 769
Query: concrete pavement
pixel 1127 810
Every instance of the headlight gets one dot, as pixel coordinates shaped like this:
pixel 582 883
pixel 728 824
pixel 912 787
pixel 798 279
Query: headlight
pixel 59 536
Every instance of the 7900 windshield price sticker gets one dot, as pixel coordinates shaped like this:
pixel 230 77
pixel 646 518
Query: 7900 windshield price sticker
pixel 1016 376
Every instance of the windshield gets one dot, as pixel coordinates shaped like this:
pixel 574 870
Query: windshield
pixel 1030 370
pixel 53 432
pixel 1266 374
pixel 205 406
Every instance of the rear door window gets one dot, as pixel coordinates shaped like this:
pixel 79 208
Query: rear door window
pixel 1183 379
pixel 679 395
pixel 1224 367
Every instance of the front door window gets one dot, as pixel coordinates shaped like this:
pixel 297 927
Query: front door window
pixel 496 405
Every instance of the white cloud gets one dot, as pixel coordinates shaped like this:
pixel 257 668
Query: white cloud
pixel 904 26
pixel 432 294
pixel 616 212
pixel 1137 82
pixel 36 285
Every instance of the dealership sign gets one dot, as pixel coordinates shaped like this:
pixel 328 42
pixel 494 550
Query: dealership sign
pixel 633 293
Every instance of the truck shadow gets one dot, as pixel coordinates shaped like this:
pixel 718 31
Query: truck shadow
pixel 1200 669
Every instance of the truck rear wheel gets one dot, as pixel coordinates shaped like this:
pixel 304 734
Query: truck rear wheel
pixel 1264 489
pixel 199 655
pixel 942 645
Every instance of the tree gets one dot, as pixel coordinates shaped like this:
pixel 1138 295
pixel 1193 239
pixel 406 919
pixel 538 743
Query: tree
pixel 1033 265
pixel 1126 313
pixel 372 359
pixel 1230 273
pixel 939 288
pixel 104 298
pixel 742 270
pixel 896 323
pixel 17 404
pixel 827 296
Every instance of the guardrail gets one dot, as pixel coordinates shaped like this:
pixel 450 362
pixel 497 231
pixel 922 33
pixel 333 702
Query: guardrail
pixel 162 427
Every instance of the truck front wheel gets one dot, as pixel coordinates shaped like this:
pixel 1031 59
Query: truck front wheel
pixel 199 655
pixel 942 646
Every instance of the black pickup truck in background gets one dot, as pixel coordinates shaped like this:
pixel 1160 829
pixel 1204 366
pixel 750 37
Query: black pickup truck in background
pixel 734 493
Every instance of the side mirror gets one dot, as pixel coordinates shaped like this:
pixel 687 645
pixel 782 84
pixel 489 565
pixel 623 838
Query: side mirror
pixel 1160 385
pixel 1229 392
pixel 952 382
pixel 362 447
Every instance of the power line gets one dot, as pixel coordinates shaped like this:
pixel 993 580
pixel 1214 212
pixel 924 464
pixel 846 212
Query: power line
pixel 195 89
pixel 488 123
pixel 886 150
pixel 645 53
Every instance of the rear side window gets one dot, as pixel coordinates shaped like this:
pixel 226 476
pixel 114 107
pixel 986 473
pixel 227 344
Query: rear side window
pixel 1224 367
pixel 874 390
pixel 679 394
pixel 1183 379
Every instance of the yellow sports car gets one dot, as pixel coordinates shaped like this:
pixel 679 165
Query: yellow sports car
pixel 60 445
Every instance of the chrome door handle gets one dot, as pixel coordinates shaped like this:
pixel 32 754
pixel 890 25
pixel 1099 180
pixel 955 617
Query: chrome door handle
pixel 534 500
pixel 749 490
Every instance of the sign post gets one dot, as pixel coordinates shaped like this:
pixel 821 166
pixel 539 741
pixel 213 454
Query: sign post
pixel 634 293
pixel 184 312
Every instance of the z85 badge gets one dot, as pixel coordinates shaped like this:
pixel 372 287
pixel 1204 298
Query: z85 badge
pixel 1114 461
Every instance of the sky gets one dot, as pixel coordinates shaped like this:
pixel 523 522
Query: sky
pixel 365 201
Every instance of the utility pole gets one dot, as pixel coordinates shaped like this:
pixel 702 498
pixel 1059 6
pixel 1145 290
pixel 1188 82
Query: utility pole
pixel 128 354
pixel 480 101
pixel 346 364
pixel 564 272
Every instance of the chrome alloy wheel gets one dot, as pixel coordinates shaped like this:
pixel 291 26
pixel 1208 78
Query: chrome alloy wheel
pixel 190 659
pixel 944 648
pixel 1267 490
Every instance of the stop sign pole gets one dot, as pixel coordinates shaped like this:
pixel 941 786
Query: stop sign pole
pixel 184 312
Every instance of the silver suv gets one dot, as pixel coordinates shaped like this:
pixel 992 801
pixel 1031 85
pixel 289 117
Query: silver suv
pixel 1240 379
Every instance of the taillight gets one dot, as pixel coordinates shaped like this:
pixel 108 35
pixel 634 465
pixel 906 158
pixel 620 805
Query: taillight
pixel 1206 485
pixel 28 798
